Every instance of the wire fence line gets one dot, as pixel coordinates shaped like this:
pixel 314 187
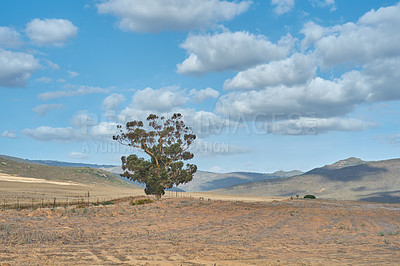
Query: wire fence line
pixel 50 201
pixel 24 202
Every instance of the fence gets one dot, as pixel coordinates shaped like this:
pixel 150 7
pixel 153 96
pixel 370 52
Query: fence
pixel 23 202
pixel 19 202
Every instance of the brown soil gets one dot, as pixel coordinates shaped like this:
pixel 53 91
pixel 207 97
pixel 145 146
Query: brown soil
pixel 184 231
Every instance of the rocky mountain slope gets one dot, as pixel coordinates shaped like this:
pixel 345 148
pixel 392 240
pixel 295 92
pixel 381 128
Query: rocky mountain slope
pixel 206 181
pixel 350 179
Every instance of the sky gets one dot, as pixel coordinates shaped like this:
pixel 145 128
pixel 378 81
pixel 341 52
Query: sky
pixel 266 85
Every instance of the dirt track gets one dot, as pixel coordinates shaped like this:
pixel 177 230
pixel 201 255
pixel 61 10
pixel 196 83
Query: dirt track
pixel 193 232
pixel 11 178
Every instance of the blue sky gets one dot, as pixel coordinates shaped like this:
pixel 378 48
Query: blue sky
pixel 266 85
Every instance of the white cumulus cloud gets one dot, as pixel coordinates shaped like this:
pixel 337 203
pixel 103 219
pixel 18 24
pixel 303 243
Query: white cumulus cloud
pixel 282 6
pixel 201 95
pixel 73 74
pixel 104 130
pixel 16 68
pixel 375 35
pixel 296 69
pixel 312 125
pixel 45 108
pixel 54 32
pixel 167 15
pixel 113 101
pixel 52 65
pixel 81 90
pixel 160 100
pixel 61 134
pixel 44 80
pixel 84 120
pixel 9 38
pixel 367 54
pixel 312 33
pixel 8 134
pixel 325 98
pixel 229 50
pixel 85 126
pixel 324 3
pixel 203 123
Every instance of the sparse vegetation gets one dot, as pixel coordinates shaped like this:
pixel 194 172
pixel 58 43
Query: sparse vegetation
pixel 242 230
pixel 309 197
pixel 140 201
pixel 104 203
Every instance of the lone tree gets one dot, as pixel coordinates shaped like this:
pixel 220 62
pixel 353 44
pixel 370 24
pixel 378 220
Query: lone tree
pixel 166 141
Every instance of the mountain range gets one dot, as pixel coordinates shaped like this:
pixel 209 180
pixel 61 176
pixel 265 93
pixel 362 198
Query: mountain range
pixel 206 181
pixel 349 179
pixel 202 180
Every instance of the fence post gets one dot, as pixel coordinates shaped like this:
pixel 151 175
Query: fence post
pixel 54 203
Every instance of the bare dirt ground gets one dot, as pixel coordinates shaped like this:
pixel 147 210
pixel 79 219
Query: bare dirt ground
pixel 11 178
pixel 184 231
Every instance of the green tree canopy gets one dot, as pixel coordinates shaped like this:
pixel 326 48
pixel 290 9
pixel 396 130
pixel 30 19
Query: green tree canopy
pixel 166 142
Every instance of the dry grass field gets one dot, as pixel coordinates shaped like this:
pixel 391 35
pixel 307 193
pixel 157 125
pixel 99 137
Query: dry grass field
pixel 27 191
pixel 189 231
pixel 181 228
pixel 33 184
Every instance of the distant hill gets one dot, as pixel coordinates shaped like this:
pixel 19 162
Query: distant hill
pixel 202 180
pixel 19 160
pixel 83 175
pixel 350 179
pixel 68 164
pixel 352 161
pixel 57 163
pixel 206 181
